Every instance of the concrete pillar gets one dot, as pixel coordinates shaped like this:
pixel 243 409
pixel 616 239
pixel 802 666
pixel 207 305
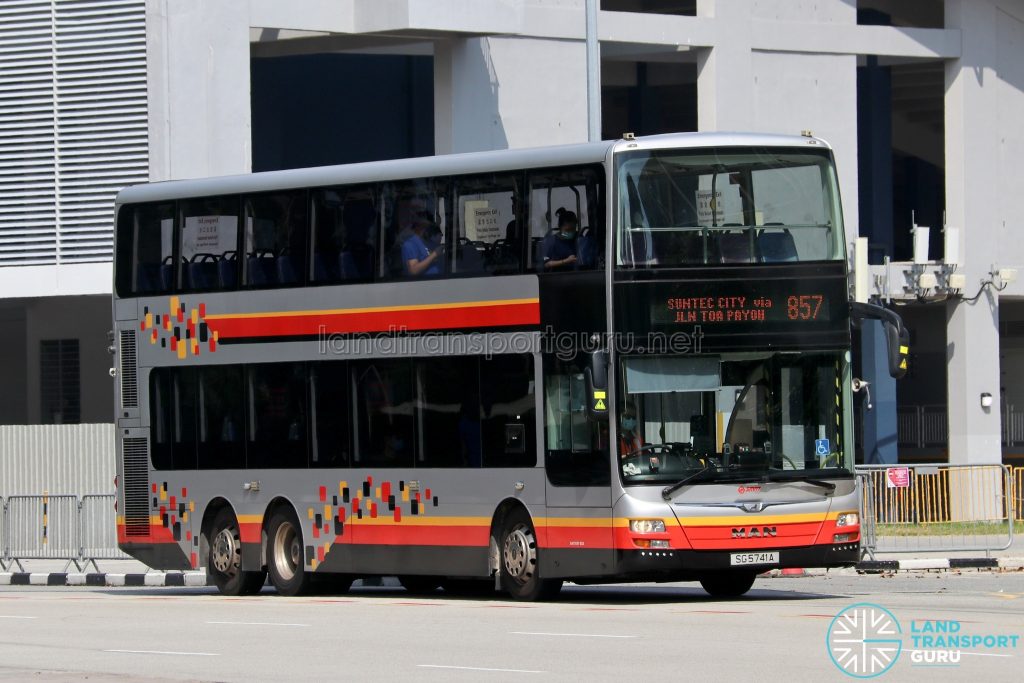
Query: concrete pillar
pixel 497 93
pixel 197 55
pixel 725 73
pixel 972 328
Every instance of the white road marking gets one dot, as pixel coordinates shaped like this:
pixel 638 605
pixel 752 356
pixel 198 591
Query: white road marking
pixel 6 616
pixel 479 668
pixel 567 635
pixel 164 652
pixel 253 623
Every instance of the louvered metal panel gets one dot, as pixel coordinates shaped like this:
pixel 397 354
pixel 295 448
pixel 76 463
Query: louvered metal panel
pixel 73 124
pixel 56 458
pixel 136 487
pixel 129 383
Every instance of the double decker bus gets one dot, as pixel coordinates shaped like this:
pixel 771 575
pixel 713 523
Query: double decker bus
pixel 615 361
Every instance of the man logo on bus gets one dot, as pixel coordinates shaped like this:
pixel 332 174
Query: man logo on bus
pixel 864 640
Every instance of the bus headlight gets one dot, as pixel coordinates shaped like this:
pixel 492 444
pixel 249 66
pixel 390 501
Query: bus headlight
pixel 847 519
pixel 647 526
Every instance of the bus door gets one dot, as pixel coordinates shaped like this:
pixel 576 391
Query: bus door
pixel 578 474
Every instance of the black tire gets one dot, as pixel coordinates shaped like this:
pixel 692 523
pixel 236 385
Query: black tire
pixel 728 584
pixel 420 585
pixel 224 562
pixel 286 560
pixel 469 588
pixel 519 561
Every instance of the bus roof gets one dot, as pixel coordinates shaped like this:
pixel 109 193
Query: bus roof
pixel 446 165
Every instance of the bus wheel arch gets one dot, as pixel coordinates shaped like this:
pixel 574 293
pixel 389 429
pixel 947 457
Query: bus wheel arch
pixel 221 545
pixel 514 542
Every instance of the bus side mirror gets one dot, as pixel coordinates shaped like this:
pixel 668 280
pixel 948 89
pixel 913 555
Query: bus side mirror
pixel 595 379
pixel 898 341
pixel 897 336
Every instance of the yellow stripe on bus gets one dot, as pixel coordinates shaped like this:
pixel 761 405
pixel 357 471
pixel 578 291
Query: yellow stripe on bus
pixel 740 520
pixel 374 309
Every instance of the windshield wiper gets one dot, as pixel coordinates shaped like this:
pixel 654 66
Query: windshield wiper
pixel 667 492
pixel 829 486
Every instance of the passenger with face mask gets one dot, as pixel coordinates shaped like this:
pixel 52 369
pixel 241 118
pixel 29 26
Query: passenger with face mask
pixel 560 245
pixel 629 436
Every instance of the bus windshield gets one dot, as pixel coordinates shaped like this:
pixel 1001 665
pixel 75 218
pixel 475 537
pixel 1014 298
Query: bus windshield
pixel 715 206
pixel 735 416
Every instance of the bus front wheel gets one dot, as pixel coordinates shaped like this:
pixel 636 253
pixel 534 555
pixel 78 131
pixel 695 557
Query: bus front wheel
pixel 520 577
pixel 728 584
pixel 285 555
pixel 225 560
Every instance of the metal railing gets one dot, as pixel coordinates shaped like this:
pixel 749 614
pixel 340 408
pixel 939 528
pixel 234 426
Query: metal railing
pixel 938 507
pixel 77 529
pixel 922 426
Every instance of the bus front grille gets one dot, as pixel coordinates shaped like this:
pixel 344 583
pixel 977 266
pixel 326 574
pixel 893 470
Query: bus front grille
pixel 136 487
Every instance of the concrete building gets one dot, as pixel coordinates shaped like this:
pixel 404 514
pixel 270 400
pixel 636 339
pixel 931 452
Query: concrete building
pixel 921 100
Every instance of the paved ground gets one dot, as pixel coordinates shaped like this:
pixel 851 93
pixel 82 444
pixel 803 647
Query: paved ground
pixel 669 632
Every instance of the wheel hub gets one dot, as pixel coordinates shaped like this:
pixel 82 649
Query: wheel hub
pixel 225 552
pixel 287 551
pixel 518 553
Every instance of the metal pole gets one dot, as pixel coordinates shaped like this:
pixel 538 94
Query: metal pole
pixel 593 75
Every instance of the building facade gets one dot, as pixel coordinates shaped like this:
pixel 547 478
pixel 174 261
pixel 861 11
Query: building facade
pixel 920 101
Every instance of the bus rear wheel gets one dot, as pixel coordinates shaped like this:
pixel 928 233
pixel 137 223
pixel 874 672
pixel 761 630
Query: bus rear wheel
pixel 225 559
pixel 728 584
pixel 285 555
pixel 520 576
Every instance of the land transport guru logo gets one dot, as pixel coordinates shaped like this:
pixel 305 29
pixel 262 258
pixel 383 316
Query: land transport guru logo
pixel 865 640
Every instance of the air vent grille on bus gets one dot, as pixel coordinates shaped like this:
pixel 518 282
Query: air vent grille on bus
pixel 129 384
pixel 136 487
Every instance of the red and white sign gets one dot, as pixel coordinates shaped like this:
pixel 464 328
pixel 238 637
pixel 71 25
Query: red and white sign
pixel 897 477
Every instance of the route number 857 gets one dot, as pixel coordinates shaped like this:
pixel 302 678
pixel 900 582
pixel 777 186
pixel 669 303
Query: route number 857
pixel 804 307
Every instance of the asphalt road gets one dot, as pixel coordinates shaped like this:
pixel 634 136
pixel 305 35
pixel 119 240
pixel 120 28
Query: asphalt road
pixel 599 633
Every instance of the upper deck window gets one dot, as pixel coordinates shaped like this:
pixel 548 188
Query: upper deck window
pixel 209 244
pixel 145 241
pixel 275 239
pixel 717 206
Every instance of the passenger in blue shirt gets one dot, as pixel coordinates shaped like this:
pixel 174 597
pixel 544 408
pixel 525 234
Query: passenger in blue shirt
pixel 419 257
pixel 560 246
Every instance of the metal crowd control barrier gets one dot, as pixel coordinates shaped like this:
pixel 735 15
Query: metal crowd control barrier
pixel 1018 493
pixel 42 528
pixel 98 530
pixel 79 530
pixel 3 535
pixel 867 514
pixel 936 507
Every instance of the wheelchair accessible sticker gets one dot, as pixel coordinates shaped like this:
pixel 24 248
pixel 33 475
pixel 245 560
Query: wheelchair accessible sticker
pixel 822 447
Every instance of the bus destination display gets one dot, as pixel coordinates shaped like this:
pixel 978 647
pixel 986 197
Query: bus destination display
pixel 708 310
pixel 781 310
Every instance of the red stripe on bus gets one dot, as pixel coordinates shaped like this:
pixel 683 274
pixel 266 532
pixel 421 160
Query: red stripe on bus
pixel 574 537
pixel 250 532
pixel 502 315
pixel 444 535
